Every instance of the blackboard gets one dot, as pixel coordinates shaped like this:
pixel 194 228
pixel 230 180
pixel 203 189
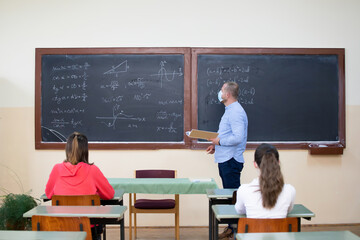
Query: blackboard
pixel 119 98
pixel 294 98
pixel 146 98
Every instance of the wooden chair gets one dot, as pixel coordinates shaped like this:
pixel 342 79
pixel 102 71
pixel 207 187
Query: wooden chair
pixel 254 225
pixel 75 200
pixel 154 205
pixel 79 200
pixel 47 223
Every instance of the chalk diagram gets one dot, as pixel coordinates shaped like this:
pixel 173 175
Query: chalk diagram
pixel 121 68
pixel 163 73
pixel 118 114
pixel 52 135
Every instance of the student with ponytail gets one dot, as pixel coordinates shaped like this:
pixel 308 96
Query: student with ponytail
pixel 76 176
pixel 266 196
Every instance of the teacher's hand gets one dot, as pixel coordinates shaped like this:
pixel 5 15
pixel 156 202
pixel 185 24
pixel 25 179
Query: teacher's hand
pixel 215 141
pixel 210 149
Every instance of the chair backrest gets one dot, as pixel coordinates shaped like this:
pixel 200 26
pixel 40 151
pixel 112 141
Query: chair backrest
pixel 233 200
pixel 252 225
pixel 155 173
pixel 47 223
pixel 75 200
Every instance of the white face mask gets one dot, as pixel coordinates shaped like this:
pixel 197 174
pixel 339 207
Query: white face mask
pixel 219 96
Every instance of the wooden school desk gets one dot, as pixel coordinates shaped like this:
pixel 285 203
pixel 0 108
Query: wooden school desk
pixel 41 235
pixel 218 196
pixel 227 214
pixel 97 214
pixel 116 200
pixel 332 235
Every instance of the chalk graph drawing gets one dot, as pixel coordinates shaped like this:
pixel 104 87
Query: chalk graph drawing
pixel 163 73
pixel 119 114
pixel 121 68
pixel 52 135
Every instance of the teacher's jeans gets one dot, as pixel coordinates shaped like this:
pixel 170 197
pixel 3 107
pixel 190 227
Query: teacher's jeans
pixel 230 172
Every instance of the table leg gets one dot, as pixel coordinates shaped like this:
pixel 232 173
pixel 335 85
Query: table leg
pixel 210 220
pixel 122 229
pixel 122 223
pixel 104 233
pixel 299 224
pixel 216 229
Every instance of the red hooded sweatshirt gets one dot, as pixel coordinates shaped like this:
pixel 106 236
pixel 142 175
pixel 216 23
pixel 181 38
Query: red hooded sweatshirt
pixel 80 179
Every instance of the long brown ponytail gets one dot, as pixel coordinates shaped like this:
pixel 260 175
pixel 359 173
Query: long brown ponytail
pixel 271 179
pixel 77 149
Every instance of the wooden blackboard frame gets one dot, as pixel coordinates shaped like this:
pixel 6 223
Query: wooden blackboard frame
pixel 39 144
pixel 333 147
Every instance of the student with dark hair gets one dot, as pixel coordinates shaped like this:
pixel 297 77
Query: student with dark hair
pixel 76 176
pixel 266 196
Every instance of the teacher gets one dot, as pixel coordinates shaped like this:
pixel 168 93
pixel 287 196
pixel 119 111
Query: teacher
pixel 231 141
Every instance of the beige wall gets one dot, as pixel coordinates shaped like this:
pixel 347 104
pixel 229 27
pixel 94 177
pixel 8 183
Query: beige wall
pixel 325 184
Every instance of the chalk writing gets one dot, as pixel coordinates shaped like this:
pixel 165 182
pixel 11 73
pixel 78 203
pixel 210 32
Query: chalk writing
pixel 67 111
pixel 58 88
pixel 71 67
pixel 61 123
pixel 60 99
pixel 247 91
pixel 141 96
pixel 245 101
pixel 137 82
pixel 83 76
pixel 227 70
pixel 167 102
pixel 112 99
pixel 163 115
pixel 113 85
pixel 169 129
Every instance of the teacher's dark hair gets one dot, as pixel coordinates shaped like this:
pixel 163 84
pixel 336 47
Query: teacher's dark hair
pixel 271 179
pixel 77 149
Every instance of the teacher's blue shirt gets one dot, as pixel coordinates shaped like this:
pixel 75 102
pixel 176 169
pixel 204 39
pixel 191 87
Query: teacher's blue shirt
pixel 232 133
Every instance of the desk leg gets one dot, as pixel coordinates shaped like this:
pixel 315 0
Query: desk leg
pixel 299 224
pixel 122 228
pixel 104 233
pixel 210 220
pixel 216 229
pixel 122 223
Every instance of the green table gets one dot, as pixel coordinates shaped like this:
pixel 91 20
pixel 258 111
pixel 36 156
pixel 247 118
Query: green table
pixel 227 214
pixel 162 185
pixel 41 235
pixel 335 235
